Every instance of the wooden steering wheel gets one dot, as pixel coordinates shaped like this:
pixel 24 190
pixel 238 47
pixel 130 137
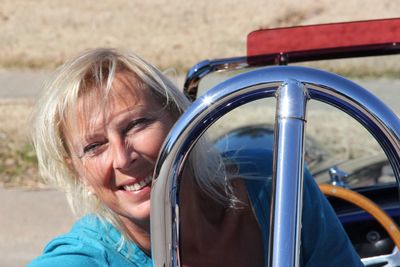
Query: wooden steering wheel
pixel 367 205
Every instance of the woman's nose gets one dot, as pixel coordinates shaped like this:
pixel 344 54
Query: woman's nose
pixel 122 154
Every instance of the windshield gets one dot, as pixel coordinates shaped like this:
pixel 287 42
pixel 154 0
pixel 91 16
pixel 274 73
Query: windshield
pixel 334 139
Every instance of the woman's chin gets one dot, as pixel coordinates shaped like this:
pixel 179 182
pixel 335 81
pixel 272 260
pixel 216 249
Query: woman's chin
pixel 139 213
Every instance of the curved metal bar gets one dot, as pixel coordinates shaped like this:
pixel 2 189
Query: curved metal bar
pixel 326 87
pixel 205 67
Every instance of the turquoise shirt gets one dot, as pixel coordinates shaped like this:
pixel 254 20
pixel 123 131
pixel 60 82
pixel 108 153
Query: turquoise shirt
pixel 92 242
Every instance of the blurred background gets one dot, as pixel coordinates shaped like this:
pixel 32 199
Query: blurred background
pixel 37 36
pixel 43 33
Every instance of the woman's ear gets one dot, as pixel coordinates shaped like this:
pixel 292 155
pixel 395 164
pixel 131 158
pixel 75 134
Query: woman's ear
pixel 68 161
pixel 90 189
pixel 70 165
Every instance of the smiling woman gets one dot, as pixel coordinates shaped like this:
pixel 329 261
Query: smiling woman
pixel 114 147
pixel 98 131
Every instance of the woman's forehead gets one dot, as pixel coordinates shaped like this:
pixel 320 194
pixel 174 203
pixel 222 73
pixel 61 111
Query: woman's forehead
pixel 125 89
pixel 97 106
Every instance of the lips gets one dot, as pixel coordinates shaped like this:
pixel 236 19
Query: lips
pixel 139 185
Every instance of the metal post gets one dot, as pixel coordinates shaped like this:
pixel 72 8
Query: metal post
pixel 284 248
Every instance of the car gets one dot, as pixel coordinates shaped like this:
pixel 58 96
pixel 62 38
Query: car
pixel 241 84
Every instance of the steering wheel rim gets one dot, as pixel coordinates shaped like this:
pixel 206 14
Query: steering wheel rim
pixel 367 205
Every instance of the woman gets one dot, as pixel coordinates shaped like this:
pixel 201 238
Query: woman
pixel 98 132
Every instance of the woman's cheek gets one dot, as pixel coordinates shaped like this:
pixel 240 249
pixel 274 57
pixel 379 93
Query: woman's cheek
pixel 151 142
pixel 158 142
pixel 100 173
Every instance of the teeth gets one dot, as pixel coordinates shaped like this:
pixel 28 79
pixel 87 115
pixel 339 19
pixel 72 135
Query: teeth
pixel 139 185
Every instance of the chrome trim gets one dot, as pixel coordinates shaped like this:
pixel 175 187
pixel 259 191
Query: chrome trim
pixel 390 260
pixel 206 67
pixel 287 194
pixel 203 68
pixel 241 89
pixel 338 176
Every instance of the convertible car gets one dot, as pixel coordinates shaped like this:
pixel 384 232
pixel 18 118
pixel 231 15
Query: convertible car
pixel 351 144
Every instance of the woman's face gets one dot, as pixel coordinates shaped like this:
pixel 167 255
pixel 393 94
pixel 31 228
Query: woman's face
pixel 117 145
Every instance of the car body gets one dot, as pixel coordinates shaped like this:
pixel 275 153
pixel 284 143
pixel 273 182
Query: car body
pixel 371 174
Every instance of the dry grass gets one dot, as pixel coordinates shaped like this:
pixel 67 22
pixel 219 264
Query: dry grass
pixel 44 33
pixel 17 157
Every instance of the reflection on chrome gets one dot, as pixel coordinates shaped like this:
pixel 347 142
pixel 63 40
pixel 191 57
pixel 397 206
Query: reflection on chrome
pixel 207 100
pixel 338 177
pixel 290 120
pixel 379 120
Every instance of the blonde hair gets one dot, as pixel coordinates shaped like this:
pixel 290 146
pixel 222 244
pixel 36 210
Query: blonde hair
pixel 96 69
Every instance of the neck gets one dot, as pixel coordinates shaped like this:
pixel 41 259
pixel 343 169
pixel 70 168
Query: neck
pixel 138 233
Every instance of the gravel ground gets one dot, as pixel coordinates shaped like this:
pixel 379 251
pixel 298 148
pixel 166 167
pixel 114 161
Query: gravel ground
pixel 29 219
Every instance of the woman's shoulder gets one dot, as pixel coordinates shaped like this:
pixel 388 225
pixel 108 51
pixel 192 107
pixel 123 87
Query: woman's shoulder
pixel 91 242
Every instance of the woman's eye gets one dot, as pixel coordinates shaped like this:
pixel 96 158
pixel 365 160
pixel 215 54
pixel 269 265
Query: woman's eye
pixel 92 148
pixel 137 124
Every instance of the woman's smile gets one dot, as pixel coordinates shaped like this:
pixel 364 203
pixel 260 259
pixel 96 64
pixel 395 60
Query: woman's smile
pixel 137 191
pixel 134 187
